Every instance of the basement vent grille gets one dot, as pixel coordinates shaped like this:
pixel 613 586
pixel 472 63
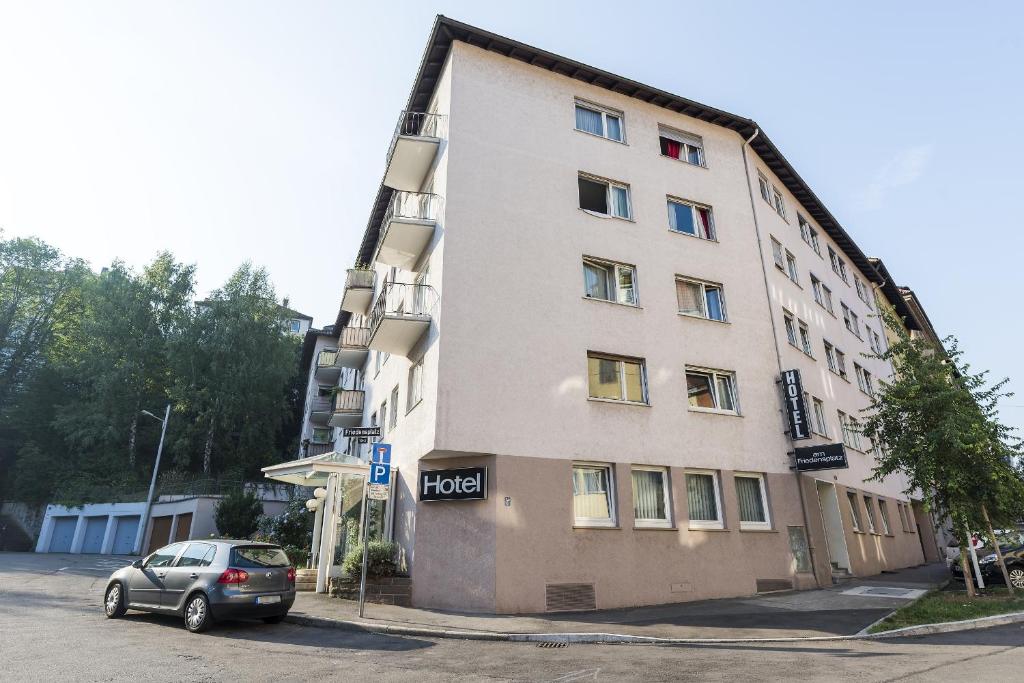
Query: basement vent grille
pixel 769 585
pixel 569 597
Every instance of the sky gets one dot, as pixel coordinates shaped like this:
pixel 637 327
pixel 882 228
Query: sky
pixel 227 131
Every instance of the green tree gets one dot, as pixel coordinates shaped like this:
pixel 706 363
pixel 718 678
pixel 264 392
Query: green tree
pixel 238 514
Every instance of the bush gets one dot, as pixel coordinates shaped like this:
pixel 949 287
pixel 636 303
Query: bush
pixel 238 514
pixel 380 559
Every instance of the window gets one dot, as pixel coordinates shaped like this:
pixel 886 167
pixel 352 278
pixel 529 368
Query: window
pixel 791 269
pixel 197 555
pixel 859 372
pixel 295 325
pixel 691 219
pixel 321 435
pixel 864 381
pixel 869 507
pixel 771 194
pixel 700 299
pixel 883 510
pixel 604 197
pixel 394 408
pixel 711 390
pixel 596 120
pixel 851 430
pixel 863 291
pixel 790 324
pixel 820 424
pixel 777 255
pixel 257 557
pixel 164 556
pixel 851 498
pixel 809 234
pixel 838 267
pixel 876 342
pixel 903 516
pixel 383 417
pixel 683 146
pixel 703 500
pixel 836 360
pixel 614 378
pixel 822 294
pixel 592 500
pixel 805 339
pixel 650 497
pixel 753 501
pixel 841 363
pixel 609 281
pixel 415 391
pixel 762 184
pixel 780 208
pixel 851 320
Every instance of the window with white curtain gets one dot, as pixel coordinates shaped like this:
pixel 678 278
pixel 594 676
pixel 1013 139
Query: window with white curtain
pixel 597 120
pixel 690 218
pixel 604 197
pixel 700 299
pixel 753 501
pixel 592 501
pixel 650 497
pixel 616 378
pixel 703 500
pixel 713 390
pixel 609 281
pixel 682 146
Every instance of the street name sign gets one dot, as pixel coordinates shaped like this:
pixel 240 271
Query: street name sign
pixel 830 456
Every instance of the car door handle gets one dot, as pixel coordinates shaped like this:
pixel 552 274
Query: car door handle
pixel 159 575
pixel 193 575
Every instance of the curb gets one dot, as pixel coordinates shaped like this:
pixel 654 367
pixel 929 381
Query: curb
pixel 613 638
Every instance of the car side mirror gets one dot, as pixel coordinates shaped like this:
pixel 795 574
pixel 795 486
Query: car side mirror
pixel 138 564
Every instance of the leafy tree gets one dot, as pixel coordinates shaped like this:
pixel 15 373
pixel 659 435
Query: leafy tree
pixel 238 514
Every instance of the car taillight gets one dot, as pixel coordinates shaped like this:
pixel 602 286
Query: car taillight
pixel 233 576
pixel 291 574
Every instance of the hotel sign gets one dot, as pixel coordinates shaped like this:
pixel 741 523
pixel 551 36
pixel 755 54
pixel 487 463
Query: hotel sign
pixel 830 456
pixel 796 407
pixel 466 483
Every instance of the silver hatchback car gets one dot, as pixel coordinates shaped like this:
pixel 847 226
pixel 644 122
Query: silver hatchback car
pixel 206 580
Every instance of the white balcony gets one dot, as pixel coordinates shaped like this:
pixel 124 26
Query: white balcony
pixel 320 410
pixel 353 347
pixel 358 295
pixel 348 408
pixel 327 368
pixel 408 228
pixel 400 317
pixel 413 149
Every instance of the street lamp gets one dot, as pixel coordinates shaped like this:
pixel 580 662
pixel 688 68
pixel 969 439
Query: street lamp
pixel 144 522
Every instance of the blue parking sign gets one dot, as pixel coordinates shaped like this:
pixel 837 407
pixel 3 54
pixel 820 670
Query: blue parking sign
pixel 380 463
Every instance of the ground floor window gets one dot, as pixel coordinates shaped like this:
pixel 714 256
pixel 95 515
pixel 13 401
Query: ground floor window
pixel 869 507
pixel 750 491
pixel 650 497
pixel 851 498
pixel 592 500
pixel 883 510
pixel 703 500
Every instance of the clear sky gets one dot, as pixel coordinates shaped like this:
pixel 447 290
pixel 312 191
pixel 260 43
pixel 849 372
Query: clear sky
pixel 233 130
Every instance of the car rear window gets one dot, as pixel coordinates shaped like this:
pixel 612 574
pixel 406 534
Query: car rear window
pixel 254 557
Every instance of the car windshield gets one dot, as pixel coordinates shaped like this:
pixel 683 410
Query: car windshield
pixel 255 557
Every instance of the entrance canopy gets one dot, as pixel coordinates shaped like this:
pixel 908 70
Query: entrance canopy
pixel 314 470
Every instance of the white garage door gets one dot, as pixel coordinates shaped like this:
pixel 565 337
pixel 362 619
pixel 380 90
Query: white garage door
pixel 63 534
pixel 95 528
pixel 124 535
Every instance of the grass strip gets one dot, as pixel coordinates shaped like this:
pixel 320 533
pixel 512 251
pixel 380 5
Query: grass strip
pixel 940 606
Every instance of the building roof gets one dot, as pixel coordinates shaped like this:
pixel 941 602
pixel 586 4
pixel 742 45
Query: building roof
pixel 446 31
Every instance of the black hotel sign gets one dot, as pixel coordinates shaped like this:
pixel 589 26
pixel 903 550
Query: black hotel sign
pixel 796 407
pixel 831 456
pixel 465 483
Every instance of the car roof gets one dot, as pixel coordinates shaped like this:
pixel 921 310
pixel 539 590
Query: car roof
pixel 231 542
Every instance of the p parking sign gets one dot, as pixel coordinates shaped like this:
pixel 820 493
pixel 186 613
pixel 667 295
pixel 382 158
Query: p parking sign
pixel 380 463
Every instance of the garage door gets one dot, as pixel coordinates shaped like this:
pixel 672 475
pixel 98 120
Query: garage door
pixel 63 534
pixel 161 533
pixel 124 535
pixel 95 529
pixel 181 532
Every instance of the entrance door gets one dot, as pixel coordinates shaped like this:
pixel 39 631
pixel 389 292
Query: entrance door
pixel 161 534
pixel 95 529
pixel 835 539
pixel 63 534
pixel 124 535
pixel 184 527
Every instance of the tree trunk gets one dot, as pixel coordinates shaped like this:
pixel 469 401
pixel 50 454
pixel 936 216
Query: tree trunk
pixel 999 553
pixel 966 566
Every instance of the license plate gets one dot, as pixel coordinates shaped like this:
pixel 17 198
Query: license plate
pixel 268 599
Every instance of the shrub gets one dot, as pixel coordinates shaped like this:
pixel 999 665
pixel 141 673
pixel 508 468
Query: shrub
pixel 238 514
pixel 380 559
pixel 293 528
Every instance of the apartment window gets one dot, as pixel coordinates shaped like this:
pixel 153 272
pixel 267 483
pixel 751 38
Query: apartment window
pixel 650 497
pixel 864 381
pixel 836 360
pixel 691 219
pixel 790 324
pixel 700 299
pixel 820 424
pixel 840 363
pixel 321 435
pixel 295 326
pixel 805 339
pixel 614 378
pixel 711 390
pixel 822 294
pixel 604 197
pixel 766 192
pixel 383 417
pixel 838 266
pixel 876 342
pixel 851 320
pixel 592 501
pixel 851 498
pixel 780 207
pixel 869 507
pixel 778 255
pixel 394 408
pixel 703 500
pixel 771 194
pixel 809 234
pixel 883 511
pixel 863 291
pixel 851 430
pixel 596 120
pixel 791 269
pixel 609 281
pixel 414 394
pixel 859 372
pixel 682 146
pixel 753 501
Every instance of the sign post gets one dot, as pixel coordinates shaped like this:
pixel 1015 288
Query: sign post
pixel 376 489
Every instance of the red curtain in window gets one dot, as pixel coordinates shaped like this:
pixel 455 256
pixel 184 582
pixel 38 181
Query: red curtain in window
pixel 671 148
pixel 705 223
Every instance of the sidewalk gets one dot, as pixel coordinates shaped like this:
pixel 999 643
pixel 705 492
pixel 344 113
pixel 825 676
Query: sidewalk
pixel 791 614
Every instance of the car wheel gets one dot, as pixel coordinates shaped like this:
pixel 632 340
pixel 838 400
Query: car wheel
pixel 276 619
pixel 113 601
pixel 197 614
pixel 1016 577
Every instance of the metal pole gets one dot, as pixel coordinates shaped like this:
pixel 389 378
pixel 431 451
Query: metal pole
pixel 144 522
pixel 366 526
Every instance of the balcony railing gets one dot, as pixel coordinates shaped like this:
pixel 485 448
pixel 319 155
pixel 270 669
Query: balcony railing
pixel 313 448
pixel 320 404
pixel 402 299
pixel 349 401
pixel 422 124
pixel 326 359
pixel 360 277
pixel 419 206
pixel 354 337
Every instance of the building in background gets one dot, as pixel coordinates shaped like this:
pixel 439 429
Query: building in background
pixel 573 308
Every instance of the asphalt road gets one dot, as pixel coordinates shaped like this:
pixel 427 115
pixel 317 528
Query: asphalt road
pixel 52 628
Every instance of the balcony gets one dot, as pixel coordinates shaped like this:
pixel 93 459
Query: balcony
pixel 320 410
pixel 353 347
pixel 413 149
pixel 408 228
pixel 318 448
pixel 348 408
pixel 327 368
pixel 359 286
pixel 400 317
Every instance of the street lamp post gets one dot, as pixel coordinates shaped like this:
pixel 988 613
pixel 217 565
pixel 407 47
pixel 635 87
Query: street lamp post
pixel 144 522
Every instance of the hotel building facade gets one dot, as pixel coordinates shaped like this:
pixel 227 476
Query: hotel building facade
pixel 592 289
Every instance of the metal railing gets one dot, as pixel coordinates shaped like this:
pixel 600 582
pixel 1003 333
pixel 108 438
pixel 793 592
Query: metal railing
pixel 400 298
pixel 418 123
pixel 360 277
pixel 349 401
pixel 354 337
pixel 313 448
pixel 320 404
pixel 415 205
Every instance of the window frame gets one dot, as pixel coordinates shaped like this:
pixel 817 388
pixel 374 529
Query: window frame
pixel 778 254
pixel 869 509
pixel 805 338
pixel 704 286
pixel 792 269
pixel 666 492
pixel 883 513
pixel 614 289
pixel 714 374
pixel 414 392
pixel 766 525
pixel 608 184
pixel 393 418
pixel 622 378
pixel 598 522
pixel 718 523
pixel 838 265
pixel 818 409
pixel 605 112
pixel 789 324
pixel 808 233
pixel 694 208
pixel 852 499
pixel 685 139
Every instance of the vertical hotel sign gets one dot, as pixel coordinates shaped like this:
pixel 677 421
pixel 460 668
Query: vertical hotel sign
pixel 796 407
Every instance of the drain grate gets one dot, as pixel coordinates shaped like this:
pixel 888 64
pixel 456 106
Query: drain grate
pixel 548 643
